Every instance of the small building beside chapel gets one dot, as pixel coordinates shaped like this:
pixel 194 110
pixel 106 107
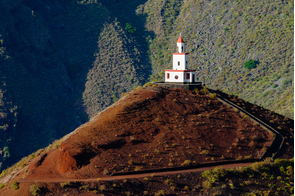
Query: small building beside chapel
pixel 180 72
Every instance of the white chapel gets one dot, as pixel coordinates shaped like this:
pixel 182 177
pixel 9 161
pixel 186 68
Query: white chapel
pixel 180 72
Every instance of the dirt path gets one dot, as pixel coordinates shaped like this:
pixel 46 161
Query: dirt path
pixel 277 142
pixel 108 178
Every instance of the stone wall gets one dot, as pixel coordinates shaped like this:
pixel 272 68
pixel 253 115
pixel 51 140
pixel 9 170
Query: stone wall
pixel 179 85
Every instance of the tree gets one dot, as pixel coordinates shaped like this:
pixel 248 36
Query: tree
pixel 130 28
pixel 250 64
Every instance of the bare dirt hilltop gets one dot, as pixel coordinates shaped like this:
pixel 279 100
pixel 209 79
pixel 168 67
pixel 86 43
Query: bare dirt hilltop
pixel 149 128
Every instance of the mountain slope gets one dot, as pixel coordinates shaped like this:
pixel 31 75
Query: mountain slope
pixel 64 61
pixel 32 78
pixel 150 128
pixel 57 69
pixel 223 35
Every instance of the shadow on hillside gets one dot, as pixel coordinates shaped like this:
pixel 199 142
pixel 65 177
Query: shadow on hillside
pixel 51 49
pixel 77 32
pixel 125 12
pixel 8 113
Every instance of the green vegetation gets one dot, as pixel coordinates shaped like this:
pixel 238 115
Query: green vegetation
pixel 276 177
pixel 64 184
pixel 84 187
pixel 14 185
pixel 130 28
pixel 160 192
pixel 221 38
pixel 262 178
pixel 214 175
pixel 97 92
pixel 96 51
pixel 6 151
pixel 2 186
pixel 23 162
pixel 250 64
pixel 75 65
pixel 186 162
pixel 35 190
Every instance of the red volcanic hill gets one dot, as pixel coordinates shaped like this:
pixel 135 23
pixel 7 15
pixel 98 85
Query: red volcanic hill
pixel 151 128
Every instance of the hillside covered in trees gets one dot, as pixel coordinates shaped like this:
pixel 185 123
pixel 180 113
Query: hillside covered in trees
pixel 63 61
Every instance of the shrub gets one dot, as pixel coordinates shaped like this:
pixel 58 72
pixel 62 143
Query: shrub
pixel 290 170
pixel 32 156
pixel 6 151
pixel 124 94
pixel 63 184
pixel 14 185
pixel 214 175
pixel 268 160
pixel 231 186
pixel 205 152
pixel 256 166
pixel 173 188
pixel 35 190
pixel 239 158
pixel 196 90
pixel 251 144
pixel 139 88
pixel 255 137
pixel 130 28
pixel 149 84
pixel 160 192
pixel 248 157
pixel 207 184
pixel 102 187
pixel 2 186
pixel 84 187
pixel 248 182
pixel 240 169
pixel 137 168
pixel 168 182
pixel 105 172
pixel 132 138
pixel 157 151
pixel 186 162
pixel 250 64
pixel 204 91
pixel 212 95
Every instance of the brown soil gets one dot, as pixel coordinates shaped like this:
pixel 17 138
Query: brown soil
pixel 72 187
pixel 156 128
pixel 152 128
pixel 282 124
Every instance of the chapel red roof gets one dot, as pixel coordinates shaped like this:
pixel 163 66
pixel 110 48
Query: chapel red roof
pixel 180 40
